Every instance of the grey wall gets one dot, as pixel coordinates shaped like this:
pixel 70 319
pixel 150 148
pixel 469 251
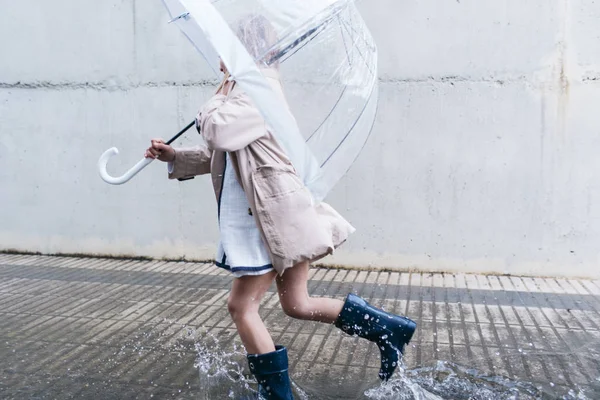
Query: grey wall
pixel 484 155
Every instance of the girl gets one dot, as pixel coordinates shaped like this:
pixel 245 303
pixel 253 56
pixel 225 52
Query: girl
pixel 270 228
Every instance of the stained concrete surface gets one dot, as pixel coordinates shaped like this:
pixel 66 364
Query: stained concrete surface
pixel 120 329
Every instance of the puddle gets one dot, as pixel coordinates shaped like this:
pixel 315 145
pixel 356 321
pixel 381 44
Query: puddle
pixel 223 374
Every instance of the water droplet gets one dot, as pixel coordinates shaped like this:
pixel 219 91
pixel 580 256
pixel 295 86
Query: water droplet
pixel 366 316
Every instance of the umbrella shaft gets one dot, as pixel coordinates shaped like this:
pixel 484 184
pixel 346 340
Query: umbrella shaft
pixel 174 138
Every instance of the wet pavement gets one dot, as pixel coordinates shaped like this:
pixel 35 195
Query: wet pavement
pixel 123 329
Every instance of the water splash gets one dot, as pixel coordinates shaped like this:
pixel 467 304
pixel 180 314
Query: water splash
pixel 222 375
pixel 400 388
pixel 449 381
pixel 222 371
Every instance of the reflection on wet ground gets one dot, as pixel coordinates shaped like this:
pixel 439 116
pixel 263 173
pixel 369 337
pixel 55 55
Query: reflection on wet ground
pixel 123 329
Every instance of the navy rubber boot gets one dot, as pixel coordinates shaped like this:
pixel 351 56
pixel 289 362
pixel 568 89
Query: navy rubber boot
pixel 390 332
pixel 271 372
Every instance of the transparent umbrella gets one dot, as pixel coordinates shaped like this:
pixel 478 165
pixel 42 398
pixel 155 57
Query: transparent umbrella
pixel 327 61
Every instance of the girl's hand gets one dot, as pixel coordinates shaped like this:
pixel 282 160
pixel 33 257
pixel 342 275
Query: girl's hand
pixel 160 150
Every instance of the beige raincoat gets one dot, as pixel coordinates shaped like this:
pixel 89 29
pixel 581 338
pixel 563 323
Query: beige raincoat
pixel 293 227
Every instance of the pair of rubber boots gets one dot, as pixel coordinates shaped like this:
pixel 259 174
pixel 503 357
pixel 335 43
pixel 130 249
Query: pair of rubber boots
pixel 390 332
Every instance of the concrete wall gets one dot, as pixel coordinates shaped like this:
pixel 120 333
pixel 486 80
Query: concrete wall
pixel 484 155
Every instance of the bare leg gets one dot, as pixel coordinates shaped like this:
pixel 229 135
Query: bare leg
pixel 296 302
pixel 391 332
pixel 243 304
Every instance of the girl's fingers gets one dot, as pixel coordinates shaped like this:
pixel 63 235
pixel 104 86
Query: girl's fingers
pixel 160 146
pixel 156 143
pixel 157 149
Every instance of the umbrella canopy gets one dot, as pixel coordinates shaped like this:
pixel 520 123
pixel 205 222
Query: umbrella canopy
pixel 328 67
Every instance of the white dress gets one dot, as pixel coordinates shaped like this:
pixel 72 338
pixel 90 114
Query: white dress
pixel 241 248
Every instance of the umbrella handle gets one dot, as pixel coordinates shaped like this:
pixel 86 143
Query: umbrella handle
pixel 119 180
pixel 133 171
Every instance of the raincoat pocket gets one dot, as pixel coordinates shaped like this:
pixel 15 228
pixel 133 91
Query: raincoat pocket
pixel 285 212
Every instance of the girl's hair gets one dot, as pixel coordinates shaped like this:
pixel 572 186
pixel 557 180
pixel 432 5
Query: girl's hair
pixel 258 35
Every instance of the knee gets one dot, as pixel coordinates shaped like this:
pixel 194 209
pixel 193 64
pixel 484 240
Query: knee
pixel 237 309
pixel 298 311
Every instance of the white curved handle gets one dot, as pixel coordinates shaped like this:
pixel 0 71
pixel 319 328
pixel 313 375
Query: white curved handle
pixel 127 175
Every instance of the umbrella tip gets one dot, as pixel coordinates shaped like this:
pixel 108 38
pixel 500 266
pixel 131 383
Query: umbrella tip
pixel 184 16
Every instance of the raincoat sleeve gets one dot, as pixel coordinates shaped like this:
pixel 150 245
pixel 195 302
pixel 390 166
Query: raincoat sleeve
pixel 230 124
pixel 190 162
